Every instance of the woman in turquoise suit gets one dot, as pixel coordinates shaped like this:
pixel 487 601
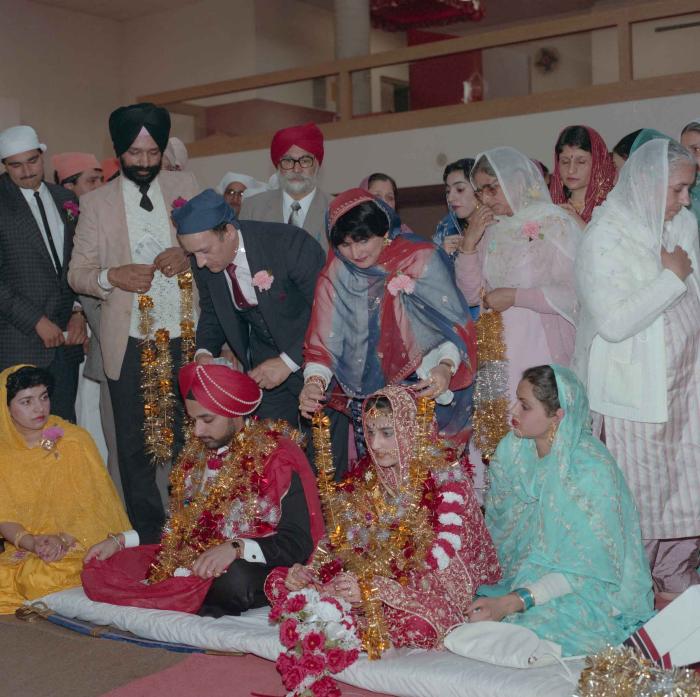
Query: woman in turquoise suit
pixel 564 524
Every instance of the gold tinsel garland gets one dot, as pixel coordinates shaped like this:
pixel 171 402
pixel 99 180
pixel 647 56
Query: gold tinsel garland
pixel 621 672
pixel 491 387
pixel 185 538
pixel 380 555
pixel 157 371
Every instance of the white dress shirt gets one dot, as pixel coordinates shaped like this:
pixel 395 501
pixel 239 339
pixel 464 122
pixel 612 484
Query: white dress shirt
pixel 305 204
pixel 250 549
pixel 245 282
pixel 52 215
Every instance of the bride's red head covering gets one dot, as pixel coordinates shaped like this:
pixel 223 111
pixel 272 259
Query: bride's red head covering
pixel 220 389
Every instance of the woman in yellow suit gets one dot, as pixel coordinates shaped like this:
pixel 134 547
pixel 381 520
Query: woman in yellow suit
pixel 57 502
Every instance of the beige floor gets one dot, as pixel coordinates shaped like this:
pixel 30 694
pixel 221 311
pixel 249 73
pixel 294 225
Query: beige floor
pixel 38 659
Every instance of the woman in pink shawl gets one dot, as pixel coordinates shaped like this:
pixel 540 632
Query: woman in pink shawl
pixel 518 257
pixel 584 172
pixel 430 578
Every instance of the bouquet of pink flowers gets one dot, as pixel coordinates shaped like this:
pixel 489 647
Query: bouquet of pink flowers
pixel 319 637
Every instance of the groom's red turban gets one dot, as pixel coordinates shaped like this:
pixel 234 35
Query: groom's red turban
pixel 220 389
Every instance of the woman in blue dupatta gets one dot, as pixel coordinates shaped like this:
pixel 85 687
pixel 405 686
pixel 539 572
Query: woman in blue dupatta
pixel 387 311
pixel 564 524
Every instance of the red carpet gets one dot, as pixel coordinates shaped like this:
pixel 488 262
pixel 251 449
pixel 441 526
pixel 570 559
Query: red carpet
pixel 218 676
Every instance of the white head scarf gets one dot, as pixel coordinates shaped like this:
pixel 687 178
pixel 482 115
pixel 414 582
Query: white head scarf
pixel 253 186
pixel 621 251
pixel 535 247
pixel 176 152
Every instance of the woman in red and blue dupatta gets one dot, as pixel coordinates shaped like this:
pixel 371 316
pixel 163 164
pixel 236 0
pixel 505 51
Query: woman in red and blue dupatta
pixel 387 311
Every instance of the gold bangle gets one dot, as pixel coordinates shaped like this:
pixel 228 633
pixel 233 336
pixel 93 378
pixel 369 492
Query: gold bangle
pixel 449 365
pixel 318 380
pixel 115 538
pixel 18 537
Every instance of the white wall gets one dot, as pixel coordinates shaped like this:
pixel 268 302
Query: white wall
pixel 289 34
pixel 411 156
pixel 63 70
pixel 653 53
pixel 9 113
pixel 184 46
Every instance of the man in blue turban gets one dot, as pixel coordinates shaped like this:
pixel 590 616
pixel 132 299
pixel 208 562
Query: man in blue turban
pixel 256 286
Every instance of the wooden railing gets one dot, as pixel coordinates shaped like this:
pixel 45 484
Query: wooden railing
pixel 345 125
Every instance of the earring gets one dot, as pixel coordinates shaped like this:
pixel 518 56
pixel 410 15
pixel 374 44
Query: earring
pixel 552 434
pixel 387 241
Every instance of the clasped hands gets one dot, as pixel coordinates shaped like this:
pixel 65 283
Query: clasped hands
pixel 344 585
pixel 52 335
pixel 51 548
pixel 137 278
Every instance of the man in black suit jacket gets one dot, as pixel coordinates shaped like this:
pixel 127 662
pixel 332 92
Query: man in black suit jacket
pixel 256 285
pixel 41 322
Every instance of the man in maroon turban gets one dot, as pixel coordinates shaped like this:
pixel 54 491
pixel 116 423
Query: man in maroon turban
pixel 297 153
pixel 243 501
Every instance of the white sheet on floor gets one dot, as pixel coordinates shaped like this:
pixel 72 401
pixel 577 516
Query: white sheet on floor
pixel 400 672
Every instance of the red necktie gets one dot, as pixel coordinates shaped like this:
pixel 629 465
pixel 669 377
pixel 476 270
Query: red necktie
pixel 238 297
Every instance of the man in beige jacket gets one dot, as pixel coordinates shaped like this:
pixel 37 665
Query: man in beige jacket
pixel 125 245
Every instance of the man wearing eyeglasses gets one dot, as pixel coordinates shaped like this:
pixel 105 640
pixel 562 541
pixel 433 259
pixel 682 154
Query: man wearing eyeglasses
pixel 297 153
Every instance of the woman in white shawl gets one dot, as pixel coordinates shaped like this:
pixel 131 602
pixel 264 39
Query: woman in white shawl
pixel 518 255
pixel 638 349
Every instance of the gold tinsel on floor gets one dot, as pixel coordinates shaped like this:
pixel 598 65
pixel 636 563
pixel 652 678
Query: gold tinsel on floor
pixel 491 388
pixel 622 672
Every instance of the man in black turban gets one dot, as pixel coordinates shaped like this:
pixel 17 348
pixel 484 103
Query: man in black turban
pixel 125 245
pixel 140 134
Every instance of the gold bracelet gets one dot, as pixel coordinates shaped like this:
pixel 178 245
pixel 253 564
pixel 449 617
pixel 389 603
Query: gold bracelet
pixel 115 538
pixel 449 365
pixel 318 380
pixel 18 537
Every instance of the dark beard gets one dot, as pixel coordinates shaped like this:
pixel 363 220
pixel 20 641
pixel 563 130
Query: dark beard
pixel 135 173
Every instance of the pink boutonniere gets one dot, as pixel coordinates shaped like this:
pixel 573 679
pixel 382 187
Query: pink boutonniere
pixel 49 438
pixel 532 230
pixel 179 202
pixel 72 210
pixel 401 283
pixel 263 280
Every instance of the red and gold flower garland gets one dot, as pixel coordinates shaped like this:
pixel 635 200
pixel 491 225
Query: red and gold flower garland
pixel 195 521
pixel 422 530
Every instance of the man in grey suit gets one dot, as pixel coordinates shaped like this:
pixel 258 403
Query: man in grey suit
pixel 297 153
pixel 41 321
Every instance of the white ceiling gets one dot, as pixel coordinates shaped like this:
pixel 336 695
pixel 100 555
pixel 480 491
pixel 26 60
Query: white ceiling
pixel 117 9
